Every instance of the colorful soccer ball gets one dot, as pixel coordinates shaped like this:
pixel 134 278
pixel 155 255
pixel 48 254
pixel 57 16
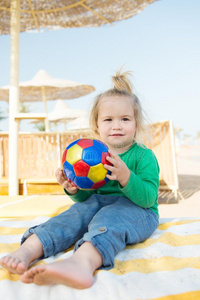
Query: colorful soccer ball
pixel 83 162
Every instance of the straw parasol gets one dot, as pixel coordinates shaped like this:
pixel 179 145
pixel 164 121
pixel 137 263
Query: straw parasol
pixel 44 87
pixel 79 123
pixel 18 16
pixel 62 112
pixel 65 14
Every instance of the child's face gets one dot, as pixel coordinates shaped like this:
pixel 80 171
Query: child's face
pixel 116 123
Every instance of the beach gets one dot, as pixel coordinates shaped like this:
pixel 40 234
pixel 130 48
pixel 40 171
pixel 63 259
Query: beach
pixel 188 167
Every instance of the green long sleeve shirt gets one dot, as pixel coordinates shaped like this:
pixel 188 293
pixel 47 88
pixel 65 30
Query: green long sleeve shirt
pixel 142 187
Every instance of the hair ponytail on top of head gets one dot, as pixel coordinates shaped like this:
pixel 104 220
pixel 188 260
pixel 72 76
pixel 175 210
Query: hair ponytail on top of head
pixel 122 82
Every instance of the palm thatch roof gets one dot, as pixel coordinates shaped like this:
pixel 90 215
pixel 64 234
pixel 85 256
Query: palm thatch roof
pixel 44 87
pixel 53 14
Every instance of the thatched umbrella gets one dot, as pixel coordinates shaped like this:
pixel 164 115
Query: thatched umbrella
pixel 62 112
pixel 50 14
pixel 24 15
pixel 43 87
pixel 79 124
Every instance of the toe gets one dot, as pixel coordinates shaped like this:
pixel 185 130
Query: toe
pixel 9 262
pixel 26 279
pixel 14 263
pixel 5 260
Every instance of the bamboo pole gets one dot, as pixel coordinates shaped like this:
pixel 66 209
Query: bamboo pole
pixel 14 99
pixel 45 109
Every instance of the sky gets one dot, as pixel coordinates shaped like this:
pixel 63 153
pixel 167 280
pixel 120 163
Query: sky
pixel 160 45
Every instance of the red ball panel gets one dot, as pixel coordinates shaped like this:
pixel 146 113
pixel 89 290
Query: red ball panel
pixel 85 143
pixel 81 168
pixel 97 185
pixel 64 156
pixel 104 160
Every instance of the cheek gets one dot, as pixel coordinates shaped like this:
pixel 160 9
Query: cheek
pixel 103 130
pixel 132 129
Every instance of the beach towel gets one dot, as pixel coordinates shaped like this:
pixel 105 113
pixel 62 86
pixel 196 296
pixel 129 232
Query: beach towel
pixel 165 266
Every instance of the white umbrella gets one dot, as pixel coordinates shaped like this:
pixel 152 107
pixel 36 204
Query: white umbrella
pixel 78 123
pixel 16 16
pixel 65 114
pixel 62 112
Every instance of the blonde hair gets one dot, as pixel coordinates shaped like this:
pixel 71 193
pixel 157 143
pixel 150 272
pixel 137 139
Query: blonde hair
pixel 122 88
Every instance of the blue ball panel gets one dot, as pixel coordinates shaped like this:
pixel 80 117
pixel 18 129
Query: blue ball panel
pixel 83 182
pixel 92 156
pixel 69 171
pixel 106 179
pixel 100 145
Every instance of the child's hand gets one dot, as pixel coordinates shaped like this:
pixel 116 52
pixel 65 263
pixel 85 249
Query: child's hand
pixel 119 170
pixel 65 183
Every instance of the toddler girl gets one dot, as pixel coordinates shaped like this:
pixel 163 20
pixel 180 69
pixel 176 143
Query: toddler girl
pixel 101 222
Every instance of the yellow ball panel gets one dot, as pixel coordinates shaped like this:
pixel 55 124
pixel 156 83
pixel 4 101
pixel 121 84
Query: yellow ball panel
pixel 97 173
pixel 74 154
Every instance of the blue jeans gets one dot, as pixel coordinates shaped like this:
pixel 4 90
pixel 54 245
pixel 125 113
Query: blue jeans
pixel 108 222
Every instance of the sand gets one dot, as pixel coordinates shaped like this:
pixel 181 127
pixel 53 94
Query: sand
pixel 188 165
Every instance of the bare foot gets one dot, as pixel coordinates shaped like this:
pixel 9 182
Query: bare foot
pixel 69 272
pixel 18 261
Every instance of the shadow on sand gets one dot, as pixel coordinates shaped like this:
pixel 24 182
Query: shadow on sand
pixel 188 185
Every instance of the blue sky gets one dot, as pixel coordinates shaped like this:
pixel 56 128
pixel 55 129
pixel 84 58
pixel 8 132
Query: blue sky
pixel 161 45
